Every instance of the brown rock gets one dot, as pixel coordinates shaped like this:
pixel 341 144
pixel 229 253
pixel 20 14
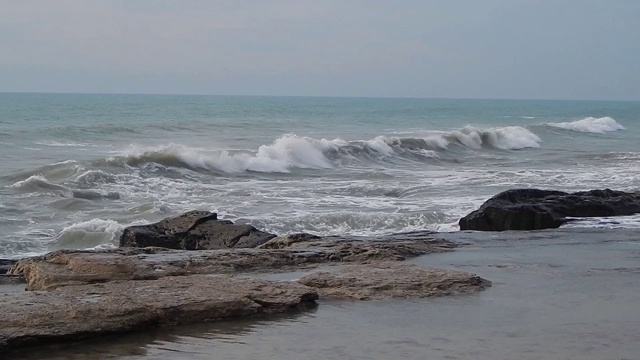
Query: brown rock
pixel 62 268
pixel 75 312
pixel 385 280
pixel 66 267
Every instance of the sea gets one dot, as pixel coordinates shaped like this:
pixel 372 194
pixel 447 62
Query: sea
pixel 76 169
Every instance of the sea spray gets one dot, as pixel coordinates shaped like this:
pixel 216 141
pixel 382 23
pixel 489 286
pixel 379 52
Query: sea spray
pixel 590 125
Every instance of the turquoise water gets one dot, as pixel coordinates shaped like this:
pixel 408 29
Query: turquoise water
pixel 77 169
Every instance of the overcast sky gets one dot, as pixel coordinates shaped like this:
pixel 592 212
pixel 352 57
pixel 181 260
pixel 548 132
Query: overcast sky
pixel 554 49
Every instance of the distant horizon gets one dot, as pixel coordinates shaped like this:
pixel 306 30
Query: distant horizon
pixel 311 96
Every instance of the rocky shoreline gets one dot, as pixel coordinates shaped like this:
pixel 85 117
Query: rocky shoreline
pixel 74 294
pixel 196 268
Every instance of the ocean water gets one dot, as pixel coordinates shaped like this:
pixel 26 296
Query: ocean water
pixel 76 169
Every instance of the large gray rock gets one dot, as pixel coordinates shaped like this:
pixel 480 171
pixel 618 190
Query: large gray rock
pixel 75 312
pixel 194 230
pixel 534 209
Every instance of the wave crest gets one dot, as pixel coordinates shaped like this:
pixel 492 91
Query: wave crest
pixel 287 152
pixel 90 233
pixel 590 125
pixel 39 183
pixel 505 138
pixel 295 152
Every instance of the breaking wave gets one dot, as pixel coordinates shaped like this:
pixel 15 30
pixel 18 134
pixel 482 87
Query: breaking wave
pixel 590 125
pixel 505 138
pixel 296 152
pixel 90 233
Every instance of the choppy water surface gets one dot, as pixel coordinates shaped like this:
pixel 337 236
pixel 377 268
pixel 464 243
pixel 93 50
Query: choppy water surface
pixel 77 169
pixel 562 294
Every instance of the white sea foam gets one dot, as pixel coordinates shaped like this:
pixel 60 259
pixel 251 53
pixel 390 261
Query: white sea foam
pixel 90 233
pixel 287 152
pixel 379 144
pixel 616 222
pixel 291 151
pixel 436 142
pixel 590 125
pixel 61 144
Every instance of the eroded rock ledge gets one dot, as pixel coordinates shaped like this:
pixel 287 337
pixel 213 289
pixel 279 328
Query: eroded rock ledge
pixel 76 294
pixel 75 312
pixel 534 209
pixel 386 280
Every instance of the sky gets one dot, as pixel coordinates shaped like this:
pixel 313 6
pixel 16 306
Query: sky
pixel 529 49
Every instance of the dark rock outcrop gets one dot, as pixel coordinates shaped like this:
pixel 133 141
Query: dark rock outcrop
pixel 534 209
pixel 194 230
pixel 6 264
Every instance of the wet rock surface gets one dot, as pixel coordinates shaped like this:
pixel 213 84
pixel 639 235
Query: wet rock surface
pixel 75 312
pixel 534 209
pixel 75 294
pixel 387 280
pixel 65 267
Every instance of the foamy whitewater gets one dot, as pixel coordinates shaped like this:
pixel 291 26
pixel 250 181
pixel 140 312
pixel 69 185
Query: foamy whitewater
pixel 77 169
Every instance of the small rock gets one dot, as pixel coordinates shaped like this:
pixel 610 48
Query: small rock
pixel 287 241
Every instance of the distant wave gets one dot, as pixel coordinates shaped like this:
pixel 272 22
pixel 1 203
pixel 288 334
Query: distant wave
pixel 506 138
pixel 39 183
pixel 295 152
pixel 590 125
pixel 61 144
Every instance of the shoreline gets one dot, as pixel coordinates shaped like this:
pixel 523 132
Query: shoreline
pixel 556 294
pixel 165 287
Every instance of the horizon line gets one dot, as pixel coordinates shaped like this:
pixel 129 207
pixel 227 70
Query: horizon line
pixel 309 96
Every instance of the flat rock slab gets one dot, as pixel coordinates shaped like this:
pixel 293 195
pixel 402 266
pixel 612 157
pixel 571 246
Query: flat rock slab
pixel 75 312
pixel 388 280
pixel 62 268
